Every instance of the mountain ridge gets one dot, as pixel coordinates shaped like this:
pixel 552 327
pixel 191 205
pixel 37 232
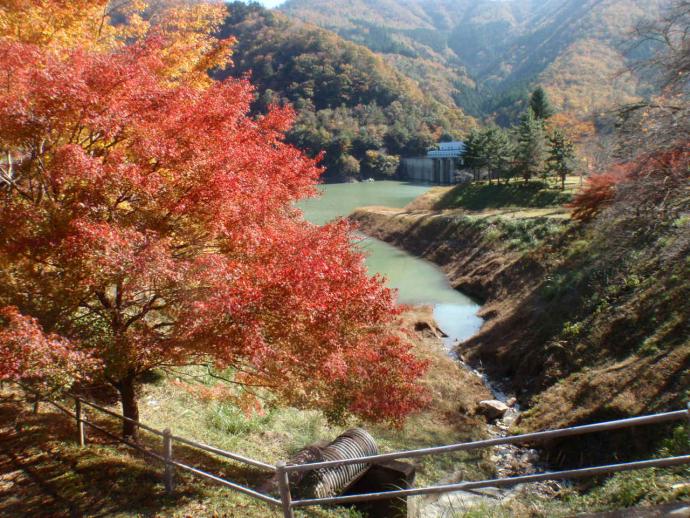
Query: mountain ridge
pixel 350 103
pixel 497 49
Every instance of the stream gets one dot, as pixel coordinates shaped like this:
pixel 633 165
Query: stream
pixel 419 282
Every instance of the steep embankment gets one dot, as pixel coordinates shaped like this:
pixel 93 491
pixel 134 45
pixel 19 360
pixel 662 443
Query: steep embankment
pixel 479 250
pixel 587 322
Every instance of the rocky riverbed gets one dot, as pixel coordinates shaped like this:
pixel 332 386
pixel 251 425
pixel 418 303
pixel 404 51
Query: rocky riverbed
pixel 502 415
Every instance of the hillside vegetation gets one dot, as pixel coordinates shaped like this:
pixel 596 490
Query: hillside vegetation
pixel 491 52
pixel 588 321
pixel 351 105
pixel 584 323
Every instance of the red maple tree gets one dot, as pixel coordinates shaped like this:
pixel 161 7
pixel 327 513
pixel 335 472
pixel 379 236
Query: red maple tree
pixel 147 223
pixel 646 183
pixel 598 192
pixel 48 362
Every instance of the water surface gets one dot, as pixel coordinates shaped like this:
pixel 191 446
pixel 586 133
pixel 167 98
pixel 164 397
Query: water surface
pixel 418 281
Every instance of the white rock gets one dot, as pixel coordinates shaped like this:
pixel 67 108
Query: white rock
pixel 511 417
pixel 493 409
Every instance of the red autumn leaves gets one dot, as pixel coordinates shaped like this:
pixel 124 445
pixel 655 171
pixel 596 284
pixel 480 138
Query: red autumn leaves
pixel 146 222
pixel 646 180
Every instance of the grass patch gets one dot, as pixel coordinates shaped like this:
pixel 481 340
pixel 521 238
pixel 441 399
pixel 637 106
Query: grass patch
pixel 110 479
pixel 481 196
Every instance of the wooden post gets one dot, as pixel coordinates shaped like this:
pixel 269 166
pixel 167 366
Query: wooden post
pixel 81 437
pixel 285 496
pixel 169 468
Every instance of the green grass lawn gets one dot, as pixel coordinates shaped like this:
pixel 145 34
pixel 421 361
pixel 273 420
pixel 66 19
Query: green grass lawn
pixel 480 196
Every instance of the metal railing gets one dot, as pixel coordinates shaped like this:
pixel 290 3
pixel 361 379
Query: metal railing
pixel 168 441
pixel 504 482
pixel 283 470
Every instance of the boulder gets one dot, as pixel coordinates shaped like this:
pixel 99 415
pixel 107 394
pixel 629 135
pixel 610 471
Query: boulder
pixel 492 409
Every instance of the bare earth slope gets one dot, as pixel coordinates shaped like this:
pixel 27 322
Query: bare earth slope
pixel 583 329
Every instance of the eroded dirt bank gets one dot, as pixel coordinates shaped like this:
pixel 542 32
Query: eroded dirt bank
pixel 574 348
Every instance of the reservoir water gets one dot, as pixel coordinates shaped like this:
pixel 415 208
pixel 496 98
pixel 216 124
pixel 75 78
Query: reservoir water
pixel 418 281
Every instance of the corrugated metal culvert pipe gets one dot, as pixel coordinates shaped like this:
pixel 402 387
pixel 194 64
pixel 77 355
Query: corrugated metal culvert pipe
pixel 333 481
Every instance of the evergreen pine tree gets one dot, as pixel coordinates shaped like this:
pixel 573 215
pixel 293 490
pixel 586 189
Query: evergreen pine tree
pixel 561 160
pixel 539 102
pixel 531 146
pixel 498 152
pixel 473 155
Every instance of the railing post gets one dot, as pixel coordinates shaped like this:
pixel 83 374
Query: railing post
pixel 78 411
pixel 284 485
pixel 169 468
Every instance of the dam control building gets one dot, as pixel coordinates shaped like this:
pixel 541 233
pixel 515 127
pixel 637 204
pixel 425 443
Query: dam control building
pixel 439 166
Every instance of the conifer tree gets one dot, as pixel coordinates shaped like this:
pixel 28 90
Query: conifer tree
pixel 497 151
pixel 473 154
pixel 561 160
pixel 540 105
pixel 531 146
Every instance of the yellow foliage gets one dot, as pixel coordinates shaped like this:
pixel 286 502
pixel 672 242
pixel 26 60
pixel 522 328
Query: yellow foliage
pixel 100 25
pixel 575 129
pixel 191 49
pixel 61 24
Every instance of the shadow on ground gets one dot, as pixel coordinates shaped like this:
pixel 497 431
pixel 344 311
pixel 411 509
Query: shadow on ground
pixel 43 472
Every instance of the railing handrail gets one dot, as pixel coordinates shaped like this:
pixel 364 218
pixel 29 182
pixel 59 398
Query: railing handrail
pixel 284 470
pixel 167 458
pixel 227 483
pixel 513 439
pixel 499 482
pixel 139 424
pixel 223 453
pixel 176 438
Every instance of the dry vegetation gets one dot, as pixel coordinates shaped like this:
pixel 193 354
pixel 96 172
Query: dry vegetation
pixel 589 323
pixel 43 471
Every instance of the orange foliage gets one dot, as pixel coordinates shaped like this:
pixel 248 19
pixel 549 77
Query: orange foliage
pixel 576 129
pixel 153 223
pixel 190 49
pixel 650 176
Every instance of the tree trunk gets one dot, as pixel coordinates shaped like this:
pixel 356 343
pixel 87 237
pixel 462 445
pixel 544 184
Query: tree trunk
pixel 130 407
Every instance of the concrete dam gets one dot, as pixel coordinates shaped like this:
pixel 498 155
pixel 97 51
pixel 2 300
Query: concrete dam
pixel 440 166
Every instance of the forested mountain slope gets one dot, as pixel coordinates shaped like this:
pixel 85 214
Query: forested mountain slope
pixel 350 103
pixel 483 55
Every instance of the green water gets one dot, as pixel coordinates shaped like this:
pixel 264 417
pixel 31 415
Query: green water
pixel 417 281
pixel 341 199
